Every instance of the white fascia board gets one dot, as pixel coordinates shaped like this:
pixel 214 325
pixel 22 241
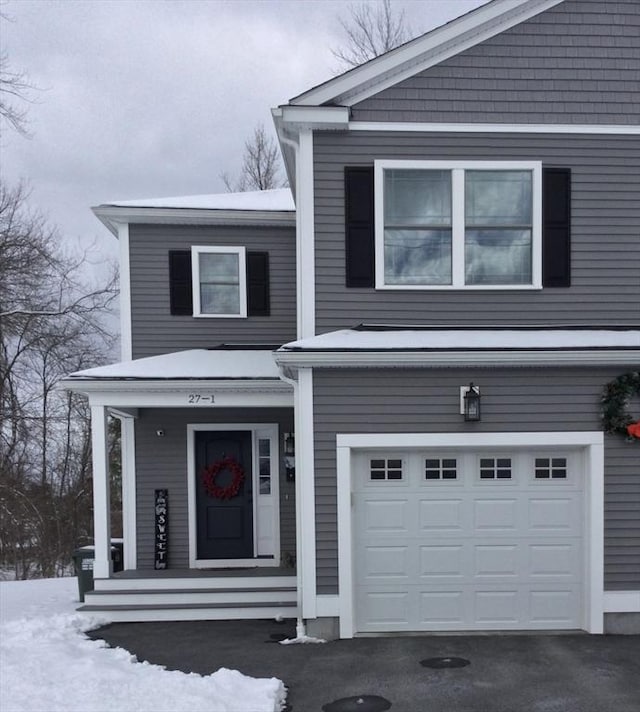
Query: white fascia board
pixel 111 215
pixel 453 359
pixel 426 127
pixel 314 117
pixel 79 385
pixel 424 52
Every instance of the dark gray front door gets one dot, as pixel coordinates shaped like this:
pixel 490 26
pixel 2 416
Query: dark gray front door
pixel 224 526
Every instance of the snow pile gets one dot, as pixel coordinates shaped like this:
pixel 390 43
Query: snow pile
pixel 47 664
pixel 302 639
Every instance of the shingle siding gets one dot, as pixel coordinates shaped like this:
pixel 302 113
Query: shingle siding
pixel 426 401
pixel 578 62
pixel 155 331
pixel 162 463
pixel 605 220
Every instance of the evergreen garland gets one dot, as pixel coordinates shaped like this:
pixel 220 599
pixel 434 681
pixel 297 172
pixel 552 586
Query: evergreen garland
pixel 617 394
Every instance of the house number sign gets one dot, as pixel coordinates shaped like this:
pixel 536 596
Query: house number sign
pixel 162 528
pixel 200 399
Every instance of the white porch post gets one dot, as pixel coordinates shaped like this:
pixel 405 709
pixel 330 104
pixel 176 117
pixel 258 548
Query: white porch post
pixel 101 499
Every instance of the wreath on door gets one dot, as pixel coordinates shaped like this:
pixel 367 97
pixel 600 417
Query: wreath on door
pixel 615 400
pixel 210 475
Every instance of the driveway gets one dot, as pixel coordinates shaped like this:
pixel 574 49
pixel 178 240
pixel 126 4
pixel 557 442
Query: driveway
pixel 506 673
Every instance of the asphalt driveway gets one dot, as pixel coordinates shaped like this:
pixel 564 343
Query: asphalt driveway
pixel 506 673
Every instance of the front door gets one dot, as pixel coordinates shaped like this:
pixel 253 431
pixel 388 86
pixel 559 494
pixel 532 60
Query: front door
pixel 224 521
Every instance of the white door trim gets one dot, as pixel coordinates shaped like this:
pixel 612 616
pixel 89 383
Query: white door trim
pixel 258 430
pixel 591 442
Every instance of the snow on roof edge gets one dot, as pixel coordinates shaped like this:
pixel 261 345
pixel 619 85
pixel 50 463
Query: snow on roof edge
pixel 276 200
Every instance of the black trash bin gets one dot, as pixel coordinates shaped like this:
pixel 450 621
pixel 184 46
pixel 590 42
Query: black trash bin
pixel 83 559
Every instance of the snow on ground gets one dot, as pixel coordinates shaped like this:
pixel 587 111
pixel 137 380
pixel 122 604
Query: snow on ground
pixel 47 664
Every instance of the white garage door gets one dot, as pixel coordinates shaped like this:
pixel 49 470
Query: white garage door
pixel 468 541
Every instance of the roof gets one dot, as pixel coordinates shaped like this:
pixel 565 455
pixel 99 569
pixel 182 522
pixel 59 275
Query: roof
pixel 448 347
pixel 195 364
pixel 254 208
pixel 422 52
pixel 279 199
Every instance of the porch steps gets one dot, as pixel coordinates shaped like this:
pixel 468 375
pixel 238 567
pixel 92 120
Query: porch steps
pixel 173 599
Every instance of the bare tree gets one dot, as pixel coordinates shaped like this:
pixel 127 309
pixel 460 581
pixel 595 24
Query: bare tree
pixel 14 87
pixel 260 165
pixel 370 30
pixel 51 324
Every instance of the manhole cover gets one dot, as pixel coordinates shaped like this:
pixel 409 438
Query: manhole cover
pixel 359 703
pixel 440 663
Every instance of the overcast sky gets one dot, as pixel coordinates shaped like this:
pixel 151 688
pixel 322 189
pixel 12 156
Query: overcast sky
pixel 150 98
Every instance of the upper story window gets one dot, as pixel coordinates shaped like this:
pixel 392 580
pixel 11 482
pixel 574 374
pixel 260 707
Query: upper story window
pixel 219 281
pixel 454 225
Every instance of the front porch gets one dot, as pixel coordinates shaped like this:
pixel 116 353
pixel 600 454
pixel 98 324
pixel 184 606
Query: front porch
pixel 190 594
pixel 193 551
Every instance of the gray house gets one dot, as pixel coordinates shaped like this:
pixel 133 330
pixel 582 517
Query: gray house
pixel 381 409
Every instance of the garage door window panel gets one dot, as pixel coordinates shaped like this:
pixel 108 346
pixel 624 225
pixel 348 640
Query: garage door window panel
pixel 495 468
pixel 440 469
pixel 551 468
pixel 386 469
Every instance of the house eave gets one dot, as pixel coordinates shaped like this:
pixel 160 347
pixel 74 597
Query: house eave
pixel 155 385
pixel 395 358
pixel 113 215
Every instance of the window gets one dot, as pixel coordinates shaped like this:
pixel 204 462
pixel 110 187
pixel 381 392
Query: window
pixel 551 468
pixel 383 469
pixel 219 281
pixel 454 225
pixel 495 468
pixel 437 469
pixel 264 465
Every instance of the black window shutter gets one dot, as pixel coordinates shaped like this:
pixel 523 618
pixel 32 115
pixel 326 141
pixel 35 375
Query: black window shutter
pixel 180 288
pixel 258 284
pixel 359 226
pixel 556 227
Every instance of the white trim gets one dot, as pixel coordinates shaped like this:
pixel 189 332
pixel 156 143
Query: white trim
pixel 277 396
pixel 314 117
pixel 102 565
pixel 328 606
pixel 439 359
pixel 622 601
pixel 457 169
pixel 126 340
pixel 269 430
pixel 305 492
pixel 424 52
pixel 591 441
pixel 426 127
pixel 112 215
pixel 196 251
pixel 306 236
pixel 128 458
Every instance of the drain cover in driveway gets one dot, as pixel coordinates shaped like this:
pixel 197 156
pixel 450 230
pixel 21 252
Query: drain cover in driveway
pixel 440 663
pixel 359 703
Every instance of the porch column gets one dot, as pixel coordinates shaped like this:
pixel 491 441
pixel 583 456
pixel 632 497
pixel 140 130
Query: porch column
pixel 101 498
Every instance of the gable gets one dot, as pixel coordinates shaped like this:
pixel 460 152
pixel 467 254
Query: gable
pixel 577 62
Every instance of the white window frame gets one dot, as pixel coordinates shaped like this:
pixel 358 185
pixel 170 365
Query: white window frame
pixel 458 169
pixel 196 251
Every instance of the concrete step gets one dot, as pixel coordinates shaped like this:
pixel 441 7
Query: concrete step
pixel 197 596
pixel 190 612
pixel 187 582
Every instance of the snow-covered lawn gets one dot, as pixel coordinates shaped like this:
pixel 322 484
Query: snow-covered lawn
pixel 48 664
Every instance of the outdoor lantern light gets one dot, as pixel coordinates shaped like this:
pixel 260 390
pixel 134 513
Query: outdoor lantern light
pixel 472 403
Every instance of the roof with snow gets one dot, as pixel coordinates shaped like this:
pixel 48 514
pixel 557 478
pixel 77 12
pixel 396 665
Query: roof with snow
pixel 196 364
pixel 279 199
pixel 372 337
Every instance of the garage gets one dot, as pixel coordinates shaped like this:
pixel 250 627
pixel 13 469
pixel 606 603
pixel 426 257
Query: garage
pixel 455 539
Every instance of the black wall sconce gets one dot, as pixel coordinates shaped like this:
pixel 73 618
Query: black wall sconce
pixel 471 403
pixel 289 454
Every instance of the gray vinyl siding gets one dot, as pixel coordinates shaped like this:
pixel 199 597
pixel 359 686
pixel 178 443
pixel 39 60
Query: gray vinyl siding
pixel 605 217
pixel 162 463
pixel 427 401
pixel 578 62
pixel 155 331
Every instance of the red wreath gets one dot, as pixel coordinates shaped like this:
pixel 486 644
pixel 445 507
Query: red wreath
pixel 210 473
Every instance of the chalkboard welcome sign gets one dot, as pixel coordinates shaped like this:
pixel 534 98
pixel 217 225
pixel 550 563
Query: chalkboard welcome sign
pixel 162 528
